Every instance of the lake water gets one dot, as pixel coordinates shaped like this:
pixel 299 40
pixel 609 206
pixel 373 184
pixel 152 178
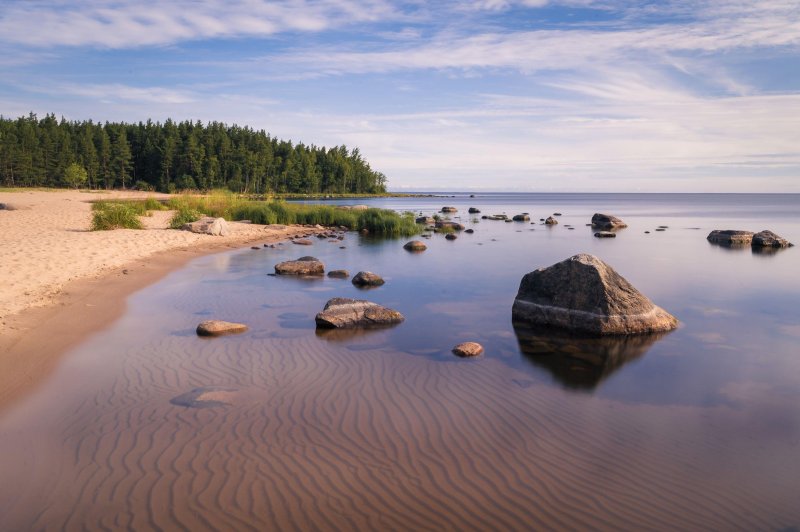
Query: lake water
pixel 386 429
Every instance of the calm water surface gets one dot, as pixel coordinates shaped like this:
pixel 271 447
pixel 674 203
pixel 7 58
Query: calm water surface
pixel 698 428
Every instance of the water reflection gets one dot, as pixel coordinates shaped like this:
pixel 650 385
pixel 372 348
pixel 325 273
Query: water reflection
pixel 580 362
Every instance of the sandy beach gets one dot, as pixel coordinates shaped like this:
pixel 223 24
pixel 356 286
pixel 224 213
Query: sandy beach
pixel 60 280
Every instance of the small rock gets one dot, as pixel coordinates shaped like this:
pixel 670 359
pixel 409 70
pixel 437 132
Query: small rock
pixel 660 229
pixel 367 279
pixel 425 220
pixel 470 231
pixel 450 236
pixel 454 225
pixel 521 218
pixel 556 214
pixel 606 222
pixel 415 245
pixel 551 221
pixel 300 267
pixel 647 232
pixel 302 242
pixel 341 312
pixel 730 237
pixel 218 328
pixel 768 239
pixel 255 247
pixel 449 209
pixel 339 274
pixel 605 234
pixel 473 210
pixel 468 349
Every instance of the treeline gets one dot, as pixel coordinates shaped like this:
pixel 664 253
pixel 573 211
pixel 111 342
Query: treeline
pixel 48 152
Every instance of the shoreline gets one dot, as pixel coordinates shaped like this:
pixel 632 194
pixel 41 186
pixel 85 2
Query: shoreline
pixel 62 283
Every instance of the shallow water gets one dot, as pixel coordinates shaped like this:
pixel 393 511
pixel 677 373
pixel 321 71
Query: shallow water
pixel 148 426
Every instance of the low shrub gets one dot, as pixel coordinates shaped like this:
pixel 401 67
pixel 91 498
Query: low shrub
pixel 115 215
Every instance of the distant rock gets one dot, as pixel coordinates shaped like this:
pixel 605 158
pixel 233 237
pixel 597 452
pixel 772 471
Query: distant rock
pixel 556 214
pixel 256 247
pixel 495 217
pixel 341 312
pixel 302 266
pixel 218 328
pixel 425 220
pixel 450 236
pixel 449 209
pixel 468 349
pixel 339 274
pixel 584 294
pixel 415 245
pixel 730 237
pixel 208 226
pixel 521 218
pixel 470 231
pixel 367 279
pixel 551 221
pixel 473 210
pixel 302 242
pixel 605 234
pixel 454 225
pixel 768 239
pixel 607 222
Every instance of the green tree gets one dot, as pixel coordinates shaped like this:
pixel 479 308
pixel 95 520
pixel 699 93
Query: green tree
pixel 75 175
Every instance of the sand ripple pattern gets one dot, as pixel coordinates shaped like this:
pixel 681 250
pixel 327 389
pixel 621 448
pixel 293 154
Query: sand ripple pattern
pixel 313 436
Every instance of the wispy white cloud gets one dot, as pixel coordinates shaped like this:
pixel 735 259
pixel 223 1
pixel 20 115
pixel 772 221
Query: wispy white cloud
pixel 128 23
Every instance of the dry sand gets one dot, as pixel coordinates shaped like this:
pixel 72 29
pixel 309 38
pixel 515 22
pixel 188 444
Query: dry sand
pixel 59 280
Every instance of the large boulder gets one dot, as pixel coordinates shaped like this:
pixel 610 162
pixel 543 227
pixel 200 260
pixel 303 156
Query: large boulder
pixel 208 226
pixel 768 239
pixel 301 266
pixel 607 222
pixel 367 279
pixel 584 294
pixel 218 328
pixel 342 312
pixel 730 237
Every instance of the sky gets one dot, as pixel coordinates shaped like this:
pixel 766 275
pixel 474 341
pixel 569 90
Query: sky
pixel 520 95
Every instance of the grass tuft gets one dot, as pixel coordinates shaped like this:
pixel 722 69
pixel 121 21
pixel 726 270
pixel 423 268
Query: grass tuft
pixel 115 215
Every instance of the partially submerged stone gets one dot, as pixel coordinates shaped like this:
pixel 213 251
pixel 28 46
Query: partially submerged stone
pixel 449 209
pixel 605 234
pixel 301 266
pixel 367 279
pixel 768 239
pixel 730 237
pixel 521 218
pixel 341 312
pixel 453 225
pixel 415 245
pixel 208 226
pixel 450 236
pixel 468 349
pixel 425 220
pixel 606 222
pixel 583 293
pixel 473 210
pixel 551 221
pixel 302 242
pixel 218 328
pixel 339 274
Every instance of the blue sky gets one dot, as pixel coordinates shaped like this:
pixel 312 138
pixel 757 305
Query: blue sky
pixel 532 95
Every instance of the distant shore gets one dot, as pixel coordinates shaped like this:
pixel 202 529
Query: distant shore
pixel 61 281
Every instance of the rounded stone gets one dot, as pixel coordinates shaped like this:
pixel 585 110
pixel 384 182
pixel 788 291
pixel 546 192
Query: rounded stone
pixel 468 349
pixel 367 279
pixel 415 245
pixel 218 328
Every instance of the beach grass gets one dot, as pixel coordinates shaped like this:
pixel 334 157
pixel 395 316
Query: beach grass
pixel 108 215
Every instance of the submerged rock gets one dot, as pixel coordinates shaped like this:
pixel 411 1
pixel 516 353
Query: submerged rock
pixel 301 266
pixel 208 226
pixel 339 274
pixel 449 209
pixel 730 237
pixel 453 225
pixel 415 245
pixel 205 397
pixel 768 239
pixel 218 328
pixel 302 242
pixel 473 210
pixel 583 293
pixel 521 218
pixel 367 279
pixel 605 234
pixel 341 312
pixel 425 220
pixel 450 236
pixel 468 349
pixel 606 221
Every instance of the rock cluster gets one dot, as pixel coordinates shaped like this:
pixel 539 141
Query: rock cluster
pixel 341 312
pixel 584 294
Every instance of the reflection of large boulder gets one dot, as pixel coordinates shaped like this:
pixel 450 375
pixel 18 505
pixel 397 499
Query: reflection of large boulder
pixel 583 293
pixel 342 312
pixel 579 361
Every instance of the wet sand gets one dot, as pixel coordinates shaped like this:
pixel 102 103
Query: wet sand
pixel 61 281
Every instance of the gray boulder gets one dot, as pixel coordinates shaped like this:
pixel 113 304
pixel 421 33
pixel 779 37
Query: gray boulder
pixel 768 239
pixel 218 328
pixel 584 294
pixel 302 266
pixel 607 222
pixel 730 237
pixel 208 226
pixel 367 279
pixel 341 312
